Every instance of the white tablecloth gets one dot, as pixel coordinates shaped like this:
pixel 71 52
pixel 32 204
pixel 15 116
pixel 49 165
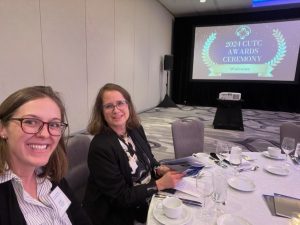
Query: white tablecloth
pixel 251 205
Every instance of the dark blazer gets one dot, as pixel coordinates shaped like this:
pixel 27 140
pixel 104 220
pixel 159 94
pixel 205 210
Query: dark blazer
pixel 110 196
pixel 11 214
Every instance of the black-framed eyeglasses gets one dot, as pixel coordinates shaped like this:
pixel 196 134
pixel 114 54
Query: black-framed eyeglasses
pixel 34 126
pixel 119 104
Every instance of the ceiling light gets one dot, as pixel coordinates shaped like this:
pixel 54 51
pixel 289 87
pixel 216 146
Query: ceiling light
pixel 202 1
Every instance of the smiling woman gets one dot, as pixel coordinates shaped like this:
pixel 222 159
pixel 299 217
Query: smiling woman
pixel 123 172
pixel 33 160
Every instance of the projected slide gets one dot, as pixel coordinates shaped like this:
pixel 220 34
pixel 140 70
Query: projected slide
pixel 265 51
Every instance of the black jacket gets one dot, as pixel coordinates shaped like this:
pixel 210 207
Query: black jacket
pixel 11 214
pixel 110 196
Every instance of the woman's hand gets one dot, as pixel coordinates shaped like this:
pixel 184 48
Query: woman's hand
pixel 168 180
pixel 161 170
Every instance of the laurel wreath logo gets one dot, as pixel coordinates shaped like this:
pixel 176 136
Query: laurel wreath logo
pixel 205 50
pixel 281 50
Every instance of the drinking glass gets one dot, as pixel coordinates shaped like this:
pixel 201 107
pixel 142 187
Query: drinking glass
pixel 287 145
pixel 220 191
pixel 222 150
pixel 235 158
pixel 297 156
pixel 204 186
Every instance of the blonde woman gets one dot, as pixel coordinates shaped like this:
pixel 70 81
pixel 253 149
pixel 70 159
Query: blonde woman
pixel 33 161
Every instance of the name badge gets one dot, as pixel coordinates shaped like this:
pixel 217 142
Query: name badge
pixel 60 200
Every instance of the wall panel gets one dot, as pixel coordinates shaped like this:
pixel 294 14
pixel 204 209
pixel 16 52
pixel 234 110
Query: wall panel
pixel 100 45
pixel 64 47
pixel 161 26
pixel 124 42
pixel 141 54
pixel 20 46
pixel 77 46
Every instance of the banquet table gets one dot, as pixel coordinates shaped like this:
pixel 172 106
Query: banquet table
pixel 249 205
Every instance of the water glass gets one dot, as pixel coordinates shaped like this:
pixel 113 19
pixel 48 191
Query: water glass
pixel 204 186
pixel 220 191
pixel 235 158
pixel 287 146
pixel 222 150
pixel 297 156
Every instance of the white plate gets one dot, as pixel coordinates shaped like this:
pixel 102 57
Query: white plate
pixel 277 169
pixel 241 183
pixel 185 217
pixel 204 159
pixel 280 157
pixel 228 219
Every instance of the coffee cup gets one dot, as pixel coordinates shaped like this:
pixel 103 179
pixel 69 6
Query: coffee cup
pixel 172 207
pixel 274 152
pixel 236 150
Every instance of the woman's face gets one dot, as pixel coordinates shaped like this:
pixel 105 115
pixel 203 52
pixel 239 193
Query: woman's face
pixel 115 111
pixel 29 151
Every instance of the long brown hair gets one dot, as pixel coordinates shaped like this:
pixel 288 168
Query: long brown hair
pixel 97 123
pixel 57 164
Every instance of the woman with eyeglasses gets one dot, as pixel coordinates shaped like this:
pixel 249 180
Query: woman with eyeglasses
pixel 123 172
pixel 33 161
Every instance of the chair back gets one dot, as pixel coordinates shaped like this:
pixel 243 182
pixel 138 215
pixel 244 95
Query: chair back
pixel 78 172
pixel 188 137
pixel 290 129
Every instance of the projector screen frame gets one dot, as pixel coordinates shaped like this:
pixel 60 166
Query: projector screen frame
pixel 237 23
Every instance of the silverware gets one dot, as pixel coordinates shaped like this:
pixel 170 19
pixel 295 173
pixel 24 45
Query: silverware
pixel 295 159
pixel 253 168
pixel 184 200
pixel 218 162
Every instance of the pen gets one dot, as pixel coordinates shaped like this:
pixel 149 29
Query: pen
pixel 184 200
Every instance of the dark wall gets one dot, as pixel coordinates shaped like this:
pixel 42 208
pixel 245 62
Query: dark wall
pixel 266 96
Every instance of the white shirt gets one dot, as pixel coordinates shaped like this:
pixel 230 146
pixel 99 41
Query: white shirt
pixel 36 212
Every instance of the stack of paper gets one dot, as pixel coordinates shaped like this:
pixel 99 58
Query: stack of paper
pixel 190 166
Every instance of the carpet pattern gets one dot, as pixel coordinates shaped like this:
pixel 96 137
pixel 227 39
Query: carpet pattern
pixel 261 128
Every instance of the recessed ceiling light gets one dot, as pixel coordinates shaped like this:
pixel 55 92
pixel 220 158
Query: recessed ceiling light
pixel 202 1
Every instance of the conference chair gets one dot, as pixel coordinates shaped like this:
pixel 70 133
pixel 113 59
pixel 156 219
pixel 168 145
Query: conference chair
pixel 78 172
pixel 289 129
pixel 188 137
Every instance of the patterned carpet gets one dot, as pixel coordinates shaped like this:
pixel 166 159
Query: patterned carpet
pixel 261 128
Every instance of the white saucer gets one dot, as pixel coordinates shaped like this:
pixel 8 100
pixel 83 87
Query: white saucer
pixel 228 219
pixel 277 169
pixel 241 183
pixel 280 157
pixel 185 217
